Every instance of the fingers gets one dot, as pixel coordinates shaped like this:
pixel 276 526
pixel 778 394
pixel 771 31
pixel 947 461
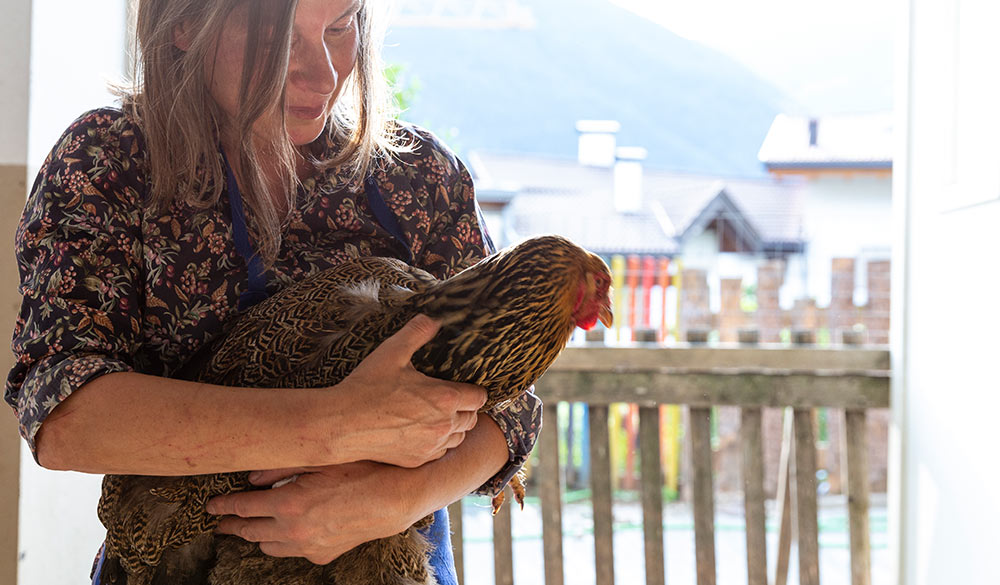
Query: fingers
pixel 454 440
pixel 418 331
pixel 250 529
pixel 284 549
pixel 470 398
pixel 280 549
pixel 256 504
pixel 466 421
pixel 272 476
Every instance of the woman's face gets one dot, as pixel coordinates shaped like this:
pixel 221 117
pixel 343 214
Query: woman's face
pixel 324 49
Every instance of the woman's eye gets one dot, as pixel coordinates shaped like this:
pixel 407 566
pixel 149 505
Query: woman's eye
pixel 339 30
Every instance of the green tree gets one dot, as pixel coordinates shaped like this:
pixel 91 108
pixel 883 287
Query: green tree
pixel 404 86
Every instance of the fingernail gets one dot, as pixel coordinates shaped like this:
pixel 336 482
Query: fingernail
pixel 211 508
pixel 255 476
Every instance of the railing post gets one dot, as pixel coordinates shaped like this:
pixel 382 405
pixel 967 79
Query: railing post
pixel 753 495
pixel 786 469
pixel 503 550
pixel 703 493
pixel 600 481
pixel 548 467
pixel 652 493
pixel 856 452
pixel 805 497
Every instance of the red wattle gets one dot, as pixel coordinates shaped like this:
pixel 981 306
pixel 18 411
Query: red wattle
pixel 587 323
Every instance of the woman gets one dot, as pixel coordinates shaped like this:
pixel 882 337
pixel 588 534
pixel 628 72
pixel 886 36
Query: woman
pixel 256 150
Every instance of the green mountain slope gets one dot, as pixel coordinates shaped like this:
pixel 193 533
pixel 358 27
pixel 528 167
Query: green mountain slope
pixel 692 107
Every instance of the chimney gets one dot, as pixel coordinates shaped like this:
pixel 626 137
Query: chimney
pixel 628 178
pixel 813 131
pixel 596 143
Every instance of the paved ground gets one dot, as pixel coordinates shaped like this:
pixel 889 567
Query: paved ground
pixel 679 549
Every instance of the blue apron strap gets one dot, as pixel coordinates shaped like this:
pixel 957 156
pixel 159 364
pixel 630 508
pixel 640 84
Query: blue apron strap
pixel 257 281
pixel 385 216
pixel 442 559
pixel 98 565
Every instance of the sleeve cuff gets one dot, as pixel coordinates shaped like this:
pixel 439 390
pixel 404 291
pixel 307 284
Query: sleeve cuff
pixel 51 381
pixel 520 423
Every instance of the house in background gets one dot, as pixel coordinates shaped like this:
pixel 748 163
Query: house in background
pixel 824 212
pixel 844 164
pixel 608 202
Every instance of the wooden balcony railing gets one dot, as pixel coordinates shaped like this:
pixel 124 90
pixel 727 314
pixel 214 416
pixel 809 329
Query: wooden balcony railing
pixel 798 379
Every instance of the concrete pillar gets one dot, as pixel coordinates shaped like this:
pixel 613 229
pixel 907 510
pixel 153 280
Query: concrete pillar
pixel 731 316
pixel 15 45
pixel 770 320
pixel 695 311
pixel 805 315
pixel 878 308
pixel 842 312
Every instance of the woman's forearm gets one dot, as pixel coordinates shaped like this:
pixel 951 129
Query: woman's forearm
pixel 463 469
pixel 132 423
pixel 385 411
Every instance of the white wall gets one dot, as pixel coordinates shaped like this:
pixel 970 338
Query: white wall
pixel 945 507
pixel 845 217
pixel 76 48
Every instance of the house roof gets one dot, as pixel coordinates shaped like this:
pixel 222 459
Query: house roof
pixel 862 141
pixel 555 195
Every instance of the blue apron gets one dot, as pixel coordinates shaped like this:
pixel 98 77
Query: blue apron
pixel 441 559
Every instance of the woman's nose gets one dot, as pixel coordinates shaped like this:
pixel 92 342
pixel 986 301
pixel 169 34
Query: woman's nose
pixel 311 67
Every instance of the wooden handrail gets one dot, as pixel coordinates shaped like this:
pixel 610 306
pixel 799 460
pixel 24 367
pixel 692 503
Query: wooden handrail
pixel 652 358
pixel 857 391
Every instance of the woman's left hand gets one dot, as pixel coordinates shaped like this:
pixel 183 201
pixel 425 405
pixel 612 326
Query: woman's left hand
pixel 323 513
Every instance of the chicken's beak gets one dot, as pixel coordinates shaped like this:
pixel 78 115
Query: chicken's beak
pixel 605 315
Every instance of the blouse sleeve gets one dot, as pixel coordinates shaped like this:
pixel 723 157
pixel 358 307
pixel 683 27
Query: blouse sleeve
pixel 458 239
pixel 77 249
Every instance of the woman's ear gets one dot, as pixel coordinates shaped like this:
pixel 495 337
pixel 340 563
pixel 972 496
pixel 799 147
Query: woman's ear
pixel 182 36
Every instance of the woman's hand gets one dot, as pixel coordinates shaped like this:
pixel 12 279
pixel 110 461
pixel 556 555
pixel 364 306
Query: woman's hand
pixel 329 510
pixel 323 512
pixel 404 417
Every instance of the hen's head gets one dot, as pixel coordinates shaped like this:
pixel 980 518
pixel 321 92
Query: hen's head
pixel 564 277
pixel 593 296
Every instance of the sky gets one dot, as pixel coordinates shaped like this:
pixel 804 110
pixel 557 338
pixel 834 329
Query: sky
pixel 829 57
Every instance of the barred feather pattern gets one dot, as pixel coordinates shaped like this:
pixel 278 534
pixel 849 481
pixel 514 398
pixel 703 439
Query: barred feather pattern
pixel 504 321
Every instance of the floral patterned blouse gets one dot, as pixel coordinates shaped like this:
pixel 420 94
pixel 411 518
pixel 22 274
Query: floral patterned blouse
pixel 109 286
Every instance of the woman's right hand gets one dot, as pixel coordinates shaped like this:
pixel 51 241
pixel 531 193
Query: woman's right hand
pixel 404 417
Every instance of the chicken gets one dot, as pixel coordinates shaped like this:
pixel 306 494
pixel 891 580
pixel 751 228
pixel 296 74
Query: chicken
pixel 504 321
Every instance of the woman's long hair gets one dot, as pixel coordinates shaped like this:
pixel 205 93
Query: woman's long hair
pixel 182 125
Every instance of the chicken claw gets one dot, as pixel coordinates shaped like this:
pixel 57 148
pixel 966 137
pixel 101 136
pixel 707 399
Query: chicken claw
pixel 498 501
pixel 517 487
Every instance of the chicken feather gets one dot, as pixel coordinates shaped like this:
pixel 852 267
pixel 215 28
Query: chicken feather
pixel 504 321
